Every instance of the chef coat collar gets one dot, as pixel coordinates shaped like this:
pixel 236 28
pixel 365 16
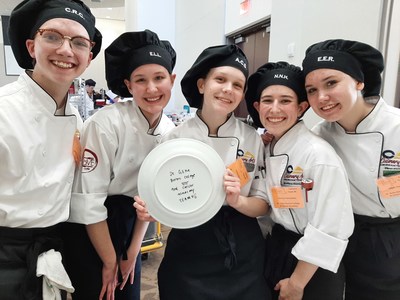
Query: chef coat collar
pixel 42 97
pixel 223 131
pixel 138 116
pixel 285 143
pixel 365 124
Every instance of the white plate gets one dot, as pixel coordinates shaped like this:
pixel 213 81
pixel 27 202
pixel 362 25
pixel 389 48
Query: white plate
pixel 181 181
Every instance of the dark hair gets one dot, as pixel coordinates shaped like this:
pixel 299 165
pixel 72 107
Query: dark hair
pixel 90 82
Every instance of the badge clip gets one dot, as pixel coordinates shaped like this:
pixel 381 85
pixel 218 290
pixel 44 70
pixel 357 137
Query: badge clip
pixel 308 185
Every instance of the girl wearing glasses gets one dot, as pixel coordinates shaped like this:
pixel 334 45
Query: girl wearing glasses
pixel 37 129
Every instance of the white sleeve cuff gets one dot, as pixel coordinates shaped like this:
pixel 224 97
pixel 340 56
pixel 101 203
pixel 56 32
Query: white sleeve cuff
pixel 319 248
pixel 87 208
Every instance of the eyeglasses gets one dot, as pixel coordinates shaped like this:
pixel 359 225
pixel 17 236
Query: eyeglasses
pixel 55 40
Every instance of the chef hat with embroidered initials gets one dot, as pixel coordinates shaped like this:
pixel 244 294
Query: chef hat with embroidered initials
pixel 132 50
pixel 27 17
pixel 212 57
pixel 361 61
pixel 273 73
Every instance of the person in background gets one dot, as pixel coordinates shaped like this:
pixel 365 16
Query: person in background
pixel 89 86
pixel 55 42
pixel 224 257
pixel 311 231
pixel 343 82
pixel 89 97
pixel 115 141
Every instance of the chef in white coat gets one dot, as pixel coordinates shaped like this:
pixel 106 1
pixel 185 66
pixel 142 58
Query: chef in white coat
pixel 343 82
pixel 308 191
pixel 115 141
pixel 222 258
pixel 55 42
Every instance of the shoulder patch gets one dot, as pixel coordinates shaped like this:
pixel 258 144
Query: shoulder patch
pixel 89 161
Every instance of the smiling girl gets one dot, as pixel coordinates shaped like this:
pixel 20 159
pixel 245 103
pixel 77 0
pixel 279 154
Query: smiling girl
pixel 116 140
pixel 311 231
pixel 38 126
pixel 364 130
pixel 223 258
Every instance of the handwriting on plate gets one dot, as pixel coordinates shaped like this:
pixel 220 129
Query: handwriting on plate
pixel 183 185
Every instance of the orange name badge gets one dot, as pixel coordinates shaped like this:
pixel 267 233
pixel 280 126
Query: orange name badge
pixel 389 187
pixel 239 169
pixel 287 197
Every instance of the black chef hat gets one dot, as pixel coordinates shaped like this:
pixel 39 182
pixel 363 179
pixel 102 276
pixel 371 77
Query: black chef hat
pixel 29 15
pixel 131 50
pixel 361 61
pixel 212 57
pixel 279 73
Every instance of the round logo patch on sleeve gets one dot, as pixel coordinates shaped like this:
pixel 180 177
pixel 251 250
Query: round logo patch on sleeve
pixel 89 162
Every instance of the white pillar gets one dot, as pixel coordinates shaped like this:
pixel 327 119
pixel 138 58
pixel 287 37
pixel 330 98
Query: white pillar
pixel 131 18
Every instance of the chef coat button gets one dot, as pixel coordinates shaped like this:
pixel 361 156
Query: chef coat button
pixel 372 169
pixel 158 139
pixel 131 159
pixel 37 118
pixel 382 212
pixel 233 143
pixel 40 212
pixel 44 152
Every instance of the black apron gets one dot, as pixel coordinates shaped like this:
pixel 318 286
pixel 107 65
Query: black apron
pixel 19 251
pixel 372 259
pixel 219 260
pixel 82 261
pixel 280 264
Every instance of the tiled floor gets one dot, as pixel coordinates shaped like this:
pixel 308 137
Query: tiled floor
pixel 149 289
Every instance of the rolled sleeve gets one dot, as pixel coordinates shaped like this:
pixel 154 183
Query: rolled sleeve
pixel 319 248
pixel 88 208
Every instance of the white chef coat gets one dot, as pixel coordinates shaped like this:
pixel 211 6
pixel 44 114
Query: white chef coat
pixel 116 140
pixel 326 221
pixel 89 106
pixel 368 154
pixel 37 165
pixel 234 139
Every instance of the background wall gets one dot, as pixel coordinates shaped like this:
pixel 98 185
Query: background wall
pixel 296 24
pixel 191 26
pixel 110 29
pixel 258 10
pixel 300 23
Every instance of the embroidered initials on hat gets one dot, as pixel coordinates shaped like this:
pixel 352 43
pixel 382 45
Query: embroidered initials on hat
pixel 242 62
pixel 325 58
pixel 281 76
pixel 74 11
pixel 154 54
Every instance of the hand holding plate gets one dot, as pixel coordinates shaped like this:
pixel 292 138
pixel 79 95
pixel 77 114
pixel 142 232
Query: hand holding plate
pixel 141 210
pixel 232 188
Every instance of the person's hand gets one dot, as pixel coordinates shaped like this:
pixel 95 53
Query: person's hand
pixel 141 210
pixel 110 281
pixel 288 290
pixel 267 137
pixel 232 188
pixel 127 268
